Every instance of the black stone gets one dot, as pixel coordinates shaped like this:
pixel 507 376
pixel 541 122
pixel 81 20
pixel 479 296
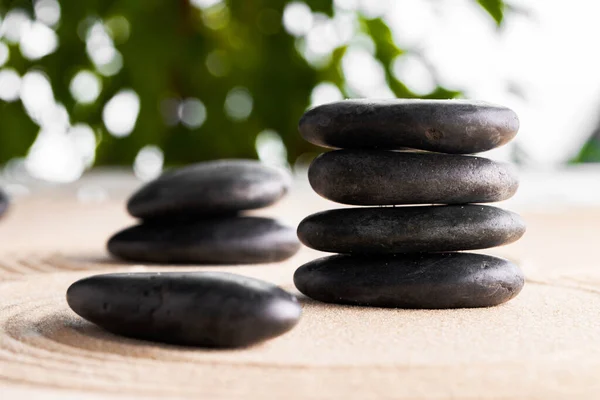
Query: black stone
pixel 410 229
pixel 373 177
pixel 3 202
pixel 440 280
pixel 208 309
pixel 210 188
pixel 227 240
pixel 446 126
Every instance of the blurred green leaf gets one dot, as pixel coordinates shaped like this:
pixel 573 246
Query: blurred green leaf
pixel 589 153
pixel 495 8
pixel 170 51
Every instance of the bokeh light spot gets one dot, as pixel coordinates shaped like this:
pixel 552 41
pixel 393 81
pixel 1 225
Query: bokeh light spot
pixel 119 28
pixel 101 49
pixel 84 140
pixel 325 92
pixel 85 87
pixel 192 113
pixel 113 66
pixel 412 71
pixel 270 148
pixel 323 38
pixel 38 41
pixel 203 4
pixel 216 17
pixel 375 9
pixel 10 84
pixel 364 74
pixel 238 104
pixel 148 163
pixel 47 11
pixel 99 44
pixel 36 95
pixel 120 113
pixel 54 117
pixel 15 24
pixel 297 18
pixel 53 157
pixel 217 63
pixel 347 5
pixel 4 53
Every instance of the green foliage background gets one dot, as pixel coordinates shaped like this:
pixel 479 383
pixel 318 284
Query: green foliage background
pixel 165 56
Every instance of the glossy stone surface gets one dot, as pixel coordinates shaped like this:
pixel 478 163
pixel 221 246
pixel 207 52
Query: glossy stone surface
pixel 439 280
pixel 374 177
pixel 410 229
pixel 446 126
pixel 227 240
pixel 209 309
pixel 3 202
pixel 210 188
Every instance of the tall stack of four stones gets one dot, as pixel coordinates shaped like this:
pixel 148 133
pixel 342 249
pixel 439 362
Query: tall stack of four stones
pixel 410 152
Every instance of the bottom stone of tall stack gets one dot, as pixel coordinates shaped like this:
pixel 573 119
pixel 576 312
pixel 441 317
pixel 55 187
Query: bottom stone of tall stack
pixel 432 280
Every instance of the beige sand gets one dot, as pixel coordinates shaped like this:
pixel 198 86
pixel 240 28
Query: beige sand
pixel 544 344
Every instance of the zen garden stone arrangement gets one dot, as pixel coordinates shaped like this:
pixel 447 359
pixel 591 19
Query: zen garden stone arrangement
pixel 407 256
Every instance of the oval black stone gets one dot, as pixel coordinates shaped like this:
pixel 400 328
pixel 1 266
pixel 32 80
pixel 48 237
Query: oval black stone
pixel 3 202
pixel 439 280
pixel 227 240
pixel 373 177
pixel 208 309
pixel 210 188
pixel 446 126
pixel 410 229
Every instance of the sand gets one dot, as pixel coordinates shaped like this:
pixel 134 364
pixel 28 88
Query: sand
pixel 544 344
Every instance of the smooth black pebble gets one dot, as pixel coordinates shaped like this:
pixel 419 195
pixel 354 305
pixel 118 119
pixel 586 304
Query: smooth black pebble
pixel 3 202
pixel 446 126
pixel 210 188
pixel 208 309
pixel 439 280
pixel 227 240
pixel 374 177
pixel 376 230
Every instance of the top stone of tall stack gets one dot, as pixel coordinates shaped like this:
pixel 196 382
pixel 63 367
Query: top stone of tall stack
pixel 445 126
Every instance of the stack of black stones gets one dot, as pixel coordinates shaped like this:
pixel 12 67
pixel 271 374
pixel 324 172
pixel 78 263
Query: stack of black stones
pixel 410 257
pixel 192 215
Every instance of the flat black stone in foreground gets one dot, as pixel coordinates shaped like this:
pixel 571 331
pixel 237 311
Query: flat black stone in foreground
pixel 446 126
pixel 208 309
pixel 442 280
pixel 374 177
pixel 226 240
pixel 377 230
pixel 209 189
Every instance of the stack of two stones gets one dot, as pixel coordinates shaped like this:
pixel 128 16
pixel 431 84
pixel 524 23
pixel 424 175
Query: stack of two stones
pixel 195 215
pixel 410 257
